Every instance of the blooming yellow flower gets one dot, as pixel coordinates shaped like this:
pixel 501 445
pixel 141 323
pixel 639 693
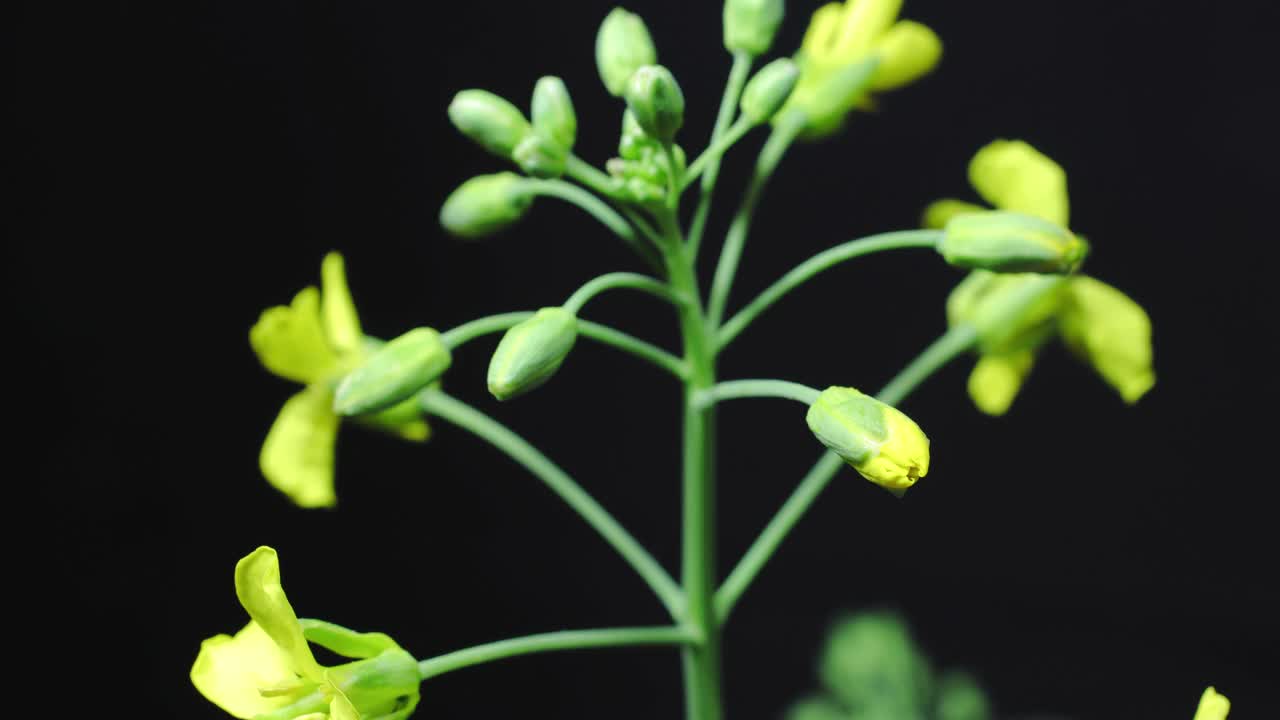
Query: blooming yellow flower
pixel 267 671
pixel 1212 706
pixel 316 341
pixel 852 49
pixel 1016 313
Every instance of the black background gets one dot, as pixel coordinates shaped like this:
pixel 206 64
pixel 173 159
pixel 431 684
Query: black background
pixel 178 167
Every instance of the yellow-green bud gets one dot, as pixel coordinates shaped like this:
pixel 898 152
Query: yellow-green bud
pixel 486 204
pixel 394 373
pixel 553 113
pixel 1008 242
pixel 493 123
pixel 882 444
pixel 655 99
pixel 540 156
pixel 623 46
pixel 531 352
pixel 766 93
pixel 751 25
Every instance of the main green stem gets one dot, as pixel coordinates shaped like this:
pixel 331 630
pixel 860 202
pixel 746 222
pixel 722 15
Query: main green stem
pixel 698 561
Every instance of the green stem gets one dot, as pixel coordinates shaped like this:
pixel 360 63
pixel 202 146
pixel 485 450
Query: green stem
pixel 784 133
pixel 589 175
pixel 698 557
pixel 728 105
pixel 600 333
pixel 823 261
pixel 441 405
pixel 734 389
pixel 552 641
pixel 612 281
pixel 601 211
pixel 717 149
pixel 955 341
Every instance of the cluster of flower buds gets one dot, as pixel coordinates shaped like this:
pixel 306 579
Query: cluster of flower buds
pixel 643 172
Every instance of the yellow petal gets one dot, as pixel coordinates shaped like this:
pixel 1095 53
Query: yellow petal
pixel 940 212
pixel 864 22
pixel 341 323
pixel 820 37
pixel 1012 175
pixel 259 590
pixel 1111 332
pixel 297 456
pixel 908 51
pixel 1212 706
pixel 340 708
pixel 290 341
pixel 996 379
pixel 229 672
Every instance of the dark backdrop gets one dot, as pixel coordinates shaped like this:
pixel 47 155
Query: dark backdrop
pixel 180 166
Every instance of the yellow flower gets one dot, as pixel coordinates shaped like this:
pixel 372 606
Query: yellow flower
pixel 1212 706
pixel 852 49
pixel 267 671
pixel 879 441
pixel 1015 314
pixel 316 341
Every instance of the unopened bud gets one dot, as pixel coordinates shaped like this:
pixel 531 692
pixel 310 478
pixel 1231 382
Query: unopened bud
pixel 768 91
pixel 531 352
pixel 540 156
pixel 751 25
pixel 493 123
pixel 655 99
pixel 394 373
pixel 882 444
pixel 623 46
pixel 486 204
pixel 1010 242
pixel 553 113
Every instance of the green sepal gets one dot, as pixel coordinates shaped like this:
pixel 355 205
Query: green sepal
pixel 344 641
pixel 1010 242
pixel 656 101
pixel 394 373
pixel 531 352
pixel 383 686
pixel 623 45
pixel 768 90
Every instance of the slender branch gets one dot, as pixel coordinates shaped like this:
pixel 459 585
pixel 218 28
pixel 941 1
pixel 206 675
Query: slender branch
pixel 717 149
pixel 734 389
pixel 610 281
pixel 601 211
pixel 823 261
pixel 728 104
pixel 951 344
pixel 439 404
pixel 589 175
pixel 553 641
pixel 600 333
pixel 784 133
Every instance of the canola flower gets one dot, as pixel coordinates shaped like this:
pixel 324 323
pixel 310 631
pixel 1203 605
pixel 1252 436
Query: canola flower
pixel 316 340
pixel 1096 321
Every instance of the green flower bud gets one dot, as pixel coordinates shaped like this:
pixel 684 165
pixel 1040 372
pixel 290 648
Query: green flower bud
pixel 486 204
pixel 1011 242
pixel 750 25
pixel 394 373
pixel 871 662
pixel 540 156
pixel 623 46
pixel 883 445
pixel 531 352
pixel 655 99
pixel 768 91
pixel 493 123
pixel 552 111
pixel 960 698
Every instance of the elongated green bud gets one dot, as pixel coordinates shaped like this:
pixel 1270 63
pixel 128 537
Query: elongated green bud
pixel 394 373
pixel 655 99
pixel 553 113
pixel 883 445
pixel 493 123
pixel 623 45
pixel 531 352
pixel 486 204
pixel 540 156
pixel 766 93
pixel 751 25
pixel 1009 242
